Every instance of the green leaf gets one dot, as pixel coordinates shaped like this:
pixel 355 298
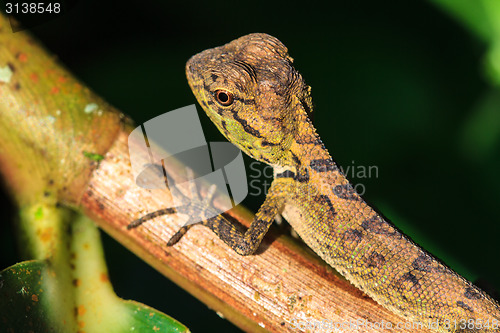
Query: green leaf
pixel 27 300
pixel 52 295
pixel 22 294
pixel 483 18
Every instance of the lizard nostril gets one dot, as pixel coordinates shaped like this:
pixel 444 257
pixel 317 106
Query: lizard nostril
pixel 190 69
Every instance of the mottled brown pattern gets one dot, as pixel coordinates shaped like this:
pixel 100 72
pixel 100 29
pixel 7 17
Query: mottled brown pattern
pixel 313 195
pixel 324 165
pixel 353 236
pixel 377 225
pixel 375 260
pixel 423 263
pixel 345 191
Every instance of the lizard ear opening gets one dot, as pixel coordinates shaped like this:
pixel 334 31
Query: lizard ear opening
pixel 224 97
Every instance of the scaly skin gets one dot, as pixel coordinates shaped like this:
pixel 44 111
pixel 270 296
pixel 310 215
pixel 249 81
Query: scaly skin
pixel 256 98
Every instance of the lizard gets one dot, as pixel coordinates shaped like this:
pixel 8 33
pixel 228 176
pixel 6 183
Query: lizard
pixel 251 91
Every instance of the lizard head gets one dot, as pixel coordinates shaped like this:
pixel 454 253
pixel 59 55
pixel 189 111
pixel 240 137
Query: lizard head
pixel 252 93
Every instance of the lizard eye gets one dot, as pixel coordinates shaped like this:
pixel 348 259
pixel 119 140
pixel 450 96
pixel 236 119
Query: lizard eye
pixel 224 97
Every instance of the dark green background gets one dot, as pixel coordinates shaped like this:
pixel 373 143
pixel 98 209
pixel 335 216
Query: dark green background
pixel 395 85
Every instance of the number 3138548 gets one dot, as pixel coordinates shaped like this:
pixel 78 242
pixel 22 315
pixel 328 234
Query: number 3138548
pixel 32 8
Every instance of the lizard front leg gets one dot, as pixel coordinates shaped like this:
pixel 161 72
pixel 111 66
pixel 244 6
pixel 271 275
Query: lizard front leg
pixel 247 243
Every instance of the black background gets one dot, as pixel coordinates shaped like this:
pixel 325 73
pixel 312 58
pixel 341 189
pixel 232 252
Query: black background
pixel 395 85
